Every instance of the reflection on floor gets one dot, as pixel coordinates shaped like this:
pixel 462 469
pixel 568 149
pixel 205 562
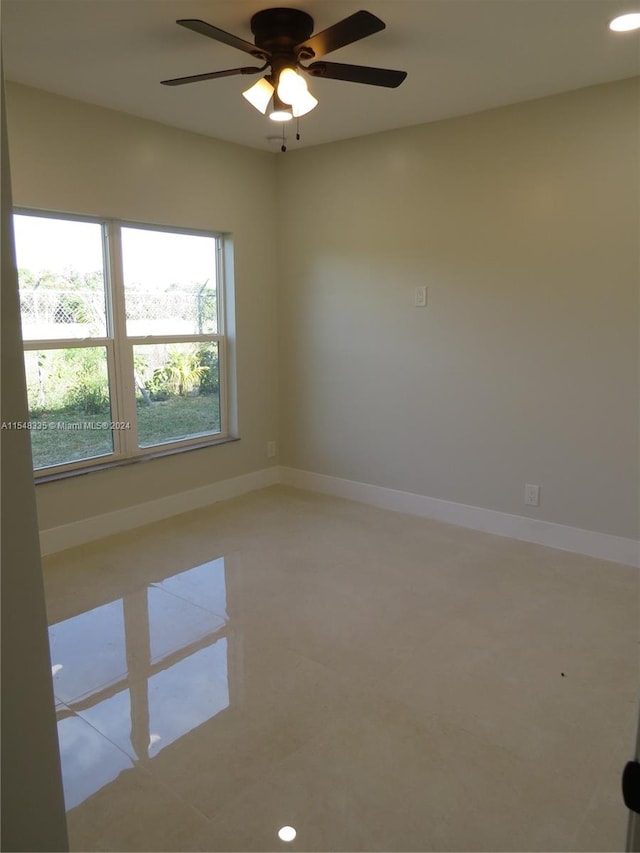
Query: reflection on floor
pixel 152 661
pixel 374 680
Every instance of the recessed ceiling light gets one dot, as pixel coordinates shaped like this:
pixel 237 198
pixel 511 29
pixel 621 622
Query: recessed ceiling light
pixel 624 23
pixel 286 833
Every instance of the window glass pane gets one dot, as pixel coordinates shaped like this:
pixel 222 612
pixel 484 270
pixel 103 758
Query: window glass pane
pixel 61 277
pixel 177 391
pixel 170 283
pixel 69 404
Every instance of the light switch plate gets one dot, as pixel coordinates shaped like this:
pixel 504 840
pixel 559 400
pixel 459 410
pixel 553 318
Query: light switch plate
pixel 420 299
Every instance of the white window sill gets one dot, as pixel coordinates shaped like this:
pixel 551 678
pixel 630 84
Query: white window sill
pixel 151 453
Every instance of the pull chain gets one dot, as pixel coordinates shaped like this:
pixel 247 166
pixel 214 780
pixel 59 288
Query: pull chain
pixel 284 147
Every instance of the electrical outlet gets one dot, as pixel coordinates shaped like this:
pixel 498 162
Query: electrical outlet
pixel 420 297
pixel 271 449
pixel 531 495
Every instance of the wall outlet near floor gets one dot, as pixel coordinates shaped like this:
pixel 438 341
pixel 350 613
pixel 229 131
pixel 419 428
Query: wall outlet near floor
pixel 531 495
pixel 271 449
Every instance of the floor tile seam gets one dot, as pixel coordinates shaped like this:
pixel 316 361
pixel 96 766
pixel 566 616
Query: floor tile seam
pixel 102 735
pixel 338 678
pixel 526 762
pixel 138 765
pixel 365 685
pixel 260 777
pixel 336 674
pixel 122 676
pixel 585 814
pixel 329 587
pixel 158 586
pixel 129 679
pixel 156 778
pixel 160 782
pixel 219 813
pixel 371 688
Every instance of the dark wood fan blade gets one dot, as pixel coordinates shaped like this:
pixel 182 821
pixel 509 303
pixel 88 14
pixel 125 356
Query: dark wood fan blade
pixel 357 74
pixel 355 27
pixel 220 35
pixel 212 75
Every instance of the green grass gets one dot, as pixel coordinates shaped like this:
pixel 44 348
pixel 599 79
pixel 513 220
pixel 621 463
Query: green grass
pixel 178 417
pixel 55 441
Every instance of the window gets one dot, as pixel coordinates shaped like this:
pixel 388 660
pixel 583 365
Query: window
pixel 123 329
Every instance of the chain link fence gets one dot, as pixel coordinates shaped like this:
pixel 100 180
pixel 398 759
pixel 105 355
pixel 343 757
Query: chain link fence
pixel 195 307
pixel 46 307
pixel 44 311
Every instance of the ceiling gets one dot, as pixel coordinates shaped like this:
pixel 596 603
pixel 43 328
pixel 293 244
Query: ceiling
pixel 461 56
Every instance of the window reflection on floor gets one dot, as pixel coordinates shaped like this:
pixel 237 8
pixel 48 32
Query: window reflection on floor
pixel 142 671
pixel 88 651
pixel 88 761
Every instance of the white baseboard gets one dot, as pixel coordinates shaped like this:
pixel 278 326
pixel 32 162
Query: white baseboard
pixel 77 533
pixel 604 546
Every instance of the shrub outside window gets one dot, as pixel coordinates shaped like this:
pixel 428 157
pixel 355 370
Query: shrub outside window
pixel 123 329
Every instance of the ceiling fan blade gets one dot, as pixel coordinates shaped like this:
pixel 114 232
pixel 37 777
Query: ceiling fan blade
pixel 212 32
pixel 355 27
pixel 357 74
pixel 212 75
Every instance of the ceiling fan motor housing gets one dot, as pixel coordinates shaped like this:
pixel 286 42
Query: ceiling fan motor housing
pixel 278 31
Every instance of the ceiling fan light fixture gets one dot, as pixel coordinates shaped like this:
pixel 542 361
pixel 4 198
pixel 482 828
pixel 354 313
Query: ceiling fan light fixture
pixel 281 115
pixel 291 85
pixel 304 104
pixel 279 111
pixel 283 38
pixel 259 95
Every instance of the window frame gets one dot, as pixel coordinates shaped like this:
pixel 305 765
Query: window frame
pixel 119 348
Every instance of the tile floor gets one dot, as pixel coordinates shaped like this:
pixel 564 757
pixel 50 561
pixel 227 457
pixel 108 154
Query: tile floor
pixel 375 680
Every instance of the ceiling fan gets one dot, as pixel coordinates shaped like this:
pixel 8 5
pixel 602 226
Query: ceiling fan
pixel 283 40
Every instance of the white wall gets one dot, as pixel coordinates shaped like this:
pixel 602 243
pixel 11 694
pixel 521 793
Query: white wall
pixel 523 222
pixel 70 156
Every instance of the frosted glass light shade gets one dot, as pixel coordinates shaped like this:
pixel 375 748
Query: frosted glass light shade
pixel 279 111
pixel 280 115
pixel 262 93
pixel 290 85
pixel 259 95
pixel 303 104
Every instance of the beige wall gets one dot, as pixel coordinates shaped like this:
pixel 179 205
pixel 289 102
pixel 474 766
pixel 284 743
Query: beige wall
pixel 33 816
pixel 523 223
pixel 73 157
